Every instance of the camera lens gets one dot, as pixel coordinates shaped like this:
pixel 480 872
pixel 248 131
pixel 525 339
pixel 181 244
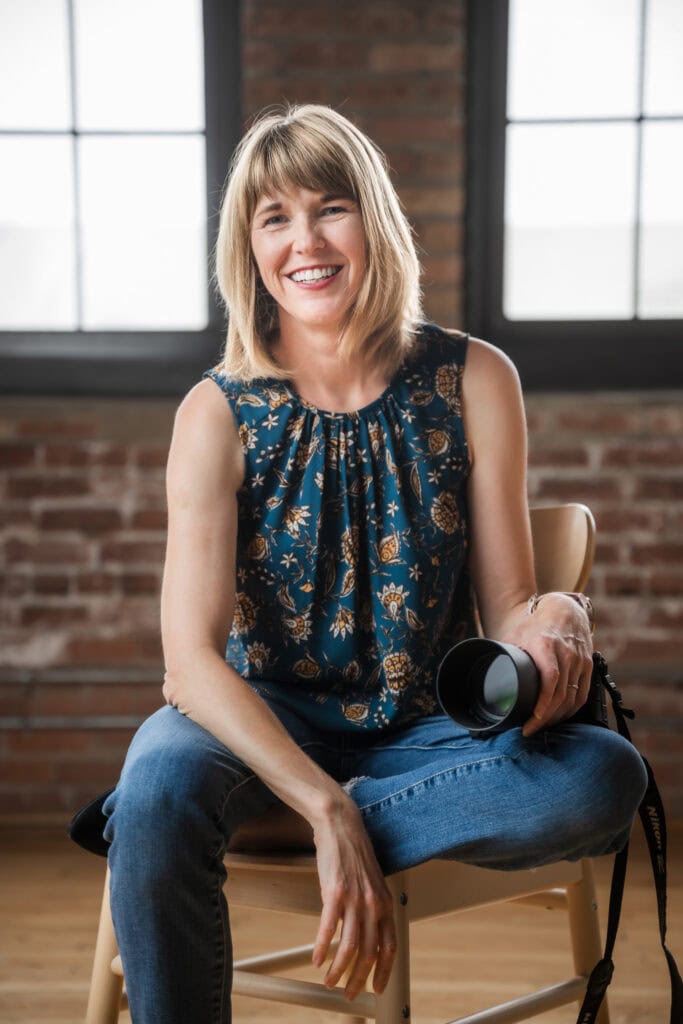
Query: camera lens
pixel 493 689
pixel 487 686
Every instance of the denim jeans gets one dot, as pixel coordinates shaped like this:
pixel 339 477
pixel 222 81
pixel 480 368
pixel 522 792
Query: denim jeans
pixel 425 790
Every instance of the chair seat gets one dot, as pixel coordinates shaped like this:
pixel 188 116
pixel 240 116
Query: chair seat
pixel 280 828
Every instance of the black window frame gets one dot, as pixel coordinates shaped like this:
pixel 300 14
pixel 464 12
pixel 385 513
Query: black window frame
pixel 550 355
pixel 138 362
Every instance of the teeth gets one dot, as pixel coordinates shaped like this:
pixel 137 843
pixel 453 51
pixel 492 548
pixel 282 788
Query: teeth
pixel 313 275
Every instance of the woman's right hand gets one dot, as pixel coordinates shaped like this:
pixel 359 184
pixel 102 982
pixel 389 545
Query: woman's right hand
pixel 353 889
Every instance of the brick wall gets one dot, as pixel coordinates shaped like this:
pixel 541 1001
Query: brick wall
pixel 82 488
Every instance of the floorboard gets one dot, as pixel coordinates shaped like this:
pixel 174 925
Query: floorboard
pixel 49 902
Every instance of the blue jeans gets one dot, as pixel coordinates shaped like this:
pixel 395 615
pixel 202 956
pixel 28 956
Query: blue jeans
pixel 425 790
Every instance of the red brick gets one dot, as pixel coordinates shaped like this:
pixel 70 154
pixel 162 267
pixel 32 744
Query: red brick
pixel 101 774
pixel 584 489
pixel 149 519
pixel 86 520
pixel 65 455
pixel 26 773
pixel 445 130
pixel 448 202
pixel 44 552
pixel 606 554
pixel 653 652
pixel 65 427
pixel 14 584
pixel 644 454
pixel 152 457
pixel 623 520
pixel 14 454
pixel 140 583
pixel 132 551
pixel 666 618
pixel 665 584
pixel 623 584
pixel 598 420
pixel 544 456
pixel 319 19
pixel 659 487
pixel 650 554
pixel 440 236
pixel 51 583
pixel 416 56
pixel 117 650
pixel 45 486
pixel 96 583
pixel 68 741
pixel 14 699
pixel 443 269
pixel 53 615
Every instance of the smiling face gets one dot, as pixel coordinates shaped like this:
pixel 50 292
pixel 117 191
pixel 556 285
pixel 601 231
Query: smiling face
pixel 310 252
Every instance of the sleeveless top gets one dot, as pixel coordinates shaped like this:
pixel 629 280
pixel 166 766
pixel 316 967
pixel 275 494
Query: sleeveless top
pixel 351 574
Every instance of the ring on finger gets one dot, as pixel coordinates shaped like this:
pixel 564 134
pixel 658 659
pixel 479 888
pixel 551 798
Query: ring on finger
pixel 572 686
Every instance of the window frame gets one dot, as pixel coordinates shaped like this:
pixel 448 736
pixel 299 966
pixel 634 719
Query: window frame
pixel 555 355
pixel 138 362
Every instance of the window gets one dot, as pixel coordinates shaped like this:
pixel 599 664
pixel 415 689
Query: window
pixel 575 216
pixel 116 127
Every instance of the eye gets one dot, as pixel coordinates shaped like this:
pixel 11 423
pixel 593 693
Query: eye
pixel 334 209
pixel 275 219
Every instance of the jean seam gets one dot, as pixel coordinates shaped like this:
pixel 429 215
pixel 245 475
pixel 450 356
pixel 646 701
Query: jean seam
pixel 458 770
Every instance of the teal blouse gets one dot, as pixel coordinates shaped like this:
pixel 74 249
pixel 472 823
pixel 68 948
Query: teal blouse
pixel 352 544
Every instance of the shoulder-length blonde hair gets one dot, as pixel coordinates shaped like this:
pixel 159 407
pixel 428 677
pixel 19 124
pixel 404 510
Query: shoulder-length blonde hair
pixel 314 147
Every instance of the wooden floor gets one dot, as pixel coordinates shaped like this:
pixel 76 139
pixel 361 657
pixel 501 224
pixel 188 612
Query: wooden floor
pixel 49 900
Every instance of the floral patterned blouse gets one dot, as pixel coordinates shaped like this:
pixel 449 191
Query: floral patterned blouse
pixel 352 545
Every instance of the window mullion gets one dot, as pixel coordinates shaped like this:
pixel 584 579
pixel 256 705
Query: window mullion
pixel 78 247
pixel 639 162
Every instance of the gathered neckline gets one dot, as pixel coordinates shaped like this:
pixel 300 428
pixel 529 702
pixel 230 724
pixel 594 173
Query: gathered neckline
pixel 364 410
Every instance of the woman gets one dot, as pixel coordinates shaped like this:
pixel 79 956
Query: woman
pixel 336 488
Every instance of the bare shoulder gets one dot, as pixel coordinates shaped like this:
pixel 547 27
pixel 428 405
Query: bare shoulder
pixel 205 445
pixel 488 366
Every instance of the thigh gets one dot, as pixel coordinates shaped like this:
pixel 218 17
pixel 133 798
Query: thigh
pixel 176 771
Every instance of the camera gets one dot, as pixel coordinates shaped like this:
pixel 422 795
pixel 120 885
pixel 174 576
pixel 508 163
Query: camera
pixel 488 687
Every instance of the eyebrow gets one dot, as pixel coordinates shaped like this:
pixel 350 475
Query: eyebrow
pixel 276 205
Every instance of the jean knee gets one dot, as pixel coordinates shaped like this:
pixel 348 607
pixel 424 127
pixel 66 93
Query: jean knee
pixel 614 790
pixel 167 798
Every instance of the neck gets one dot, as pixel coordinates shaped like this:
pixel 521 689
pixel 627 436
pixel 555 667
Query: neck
pixel 319 376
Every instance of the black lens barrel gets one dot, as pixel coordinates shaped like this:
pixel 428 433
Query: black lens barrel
pixel 487 686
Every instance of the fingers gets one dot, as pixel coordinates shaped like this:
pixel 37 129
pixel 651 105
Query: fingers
pixel 368 938
pixel 565 670
pixel 328 926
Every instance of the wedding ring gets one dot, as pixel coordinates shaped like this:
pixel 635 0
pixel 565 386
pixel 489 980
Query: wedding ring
pixel 574 686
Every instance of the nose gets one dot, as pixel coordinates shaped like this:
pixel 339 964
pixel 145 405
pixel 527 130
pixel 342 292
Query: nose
pixel 308 237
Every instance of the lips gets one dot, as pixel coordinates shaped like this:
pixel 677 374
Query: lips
pixel 312 275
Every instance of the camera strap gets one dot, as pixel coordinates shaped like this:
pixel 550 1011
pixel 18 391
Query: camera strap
pixel 651 812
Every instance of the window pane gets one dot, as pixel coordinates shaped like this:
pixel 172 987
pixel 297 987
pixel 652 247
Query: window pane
pixel 34 65
pixel 661 241
pixel 664 51
pixel 139 65
pixel 569 213
pixel 573 59
pixel 37 265
pixel 143 212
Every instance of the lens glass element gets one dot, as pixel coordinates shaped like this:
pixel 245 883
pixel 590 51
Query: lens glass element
pixel 499 687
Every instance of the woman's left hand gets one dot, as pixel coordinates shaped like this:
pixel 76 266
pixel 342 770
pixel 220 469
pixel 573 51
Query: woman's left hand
pixel 558 638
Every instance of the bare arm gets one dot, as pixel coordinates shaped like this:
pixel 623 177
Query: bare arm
pixel 501 559
pixel 204 473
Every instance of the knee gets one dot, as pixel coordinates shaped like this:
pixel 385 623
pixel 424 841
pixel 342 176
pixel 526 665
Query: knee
pixel 614 789
pixel 165 799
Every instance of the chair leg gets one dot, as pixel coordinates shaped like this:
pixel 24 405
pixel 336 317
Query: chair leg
pixel 585 928
pixel 104 1000
pixel 393 1006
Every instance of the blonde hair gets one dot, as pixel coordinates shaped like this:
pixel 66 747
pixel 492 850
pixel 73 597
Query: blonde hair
pixel 315 147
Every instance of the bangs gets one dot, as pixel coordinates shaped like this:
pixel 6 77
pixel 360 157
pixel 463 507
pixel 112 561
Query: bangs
pixel 288 156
